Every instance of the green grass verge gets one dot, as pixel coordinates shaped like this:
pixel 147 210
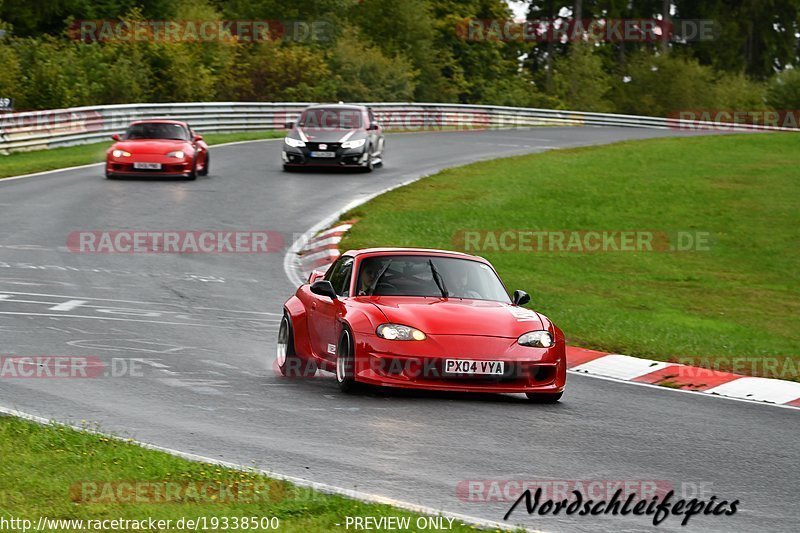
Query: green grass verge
pixel 20 163
pixel 739 298
pixel 45 471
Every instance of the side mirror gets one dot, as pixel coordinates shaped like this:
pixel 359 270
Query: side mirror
pixel 373 126
pixel 197 138
pixel 521 298
pixel 116 137
pixel 289 125
pixel 323 287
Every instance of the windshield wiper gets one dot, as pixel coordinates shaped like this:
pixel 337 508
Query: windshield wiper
pixel 378 277
pixel 438 279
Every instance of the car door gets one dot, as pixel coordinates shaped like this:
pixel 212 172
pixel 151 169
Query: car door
pixel 323 314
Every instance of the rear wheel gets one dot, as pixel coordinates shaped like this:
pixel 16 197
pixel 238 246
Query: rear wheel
pixel 345 363
pixel 289 363
pixel 544 397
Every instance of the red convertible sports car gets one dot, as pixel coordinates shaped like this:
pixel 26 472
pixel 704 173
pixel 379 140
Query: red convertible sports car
pixel 425 319
pixel 157 148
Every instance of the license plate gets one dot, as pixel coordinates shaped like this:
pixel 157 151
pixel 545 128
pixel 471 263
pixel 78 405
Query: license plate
pixel 147 166
pixel 468 366
pixel 323 154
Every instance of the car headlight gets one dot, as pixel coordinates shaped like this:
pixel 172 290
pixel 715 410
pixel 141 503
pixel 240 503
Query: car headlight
pixel 358 143
pixel 536 339
pixel 177 153
pixel 294 143
pixel 120 153
pixel 398 332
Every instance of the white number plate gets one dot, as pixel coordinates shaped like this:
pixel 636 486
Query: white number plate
pixel 323 154
pixel 468 366
pixel 147 166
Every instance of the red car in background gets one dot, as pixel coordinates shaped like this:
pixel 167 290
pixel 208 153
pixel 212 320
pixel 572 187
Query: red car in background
pixel 425 319
pixel 164 148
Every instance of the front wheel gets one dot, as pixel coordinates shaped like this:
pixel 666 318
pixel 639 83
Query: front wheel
pixel 193 174
pixel 345 364
pixel 206 166
pixel 370 164
pixel 544 397
pixel 289 363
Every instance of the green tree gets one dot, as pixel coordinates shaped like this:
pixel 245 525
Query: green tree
pixel 580 81
pixel 783 92
pixel 660 85
pixel 364 73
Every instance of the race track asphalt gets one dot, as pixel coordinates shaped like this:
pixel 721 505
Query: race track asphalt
pixel 203 328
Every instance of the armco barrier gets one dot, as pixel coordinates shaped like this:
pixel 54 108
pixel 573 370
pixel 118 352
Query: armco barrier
pixel 36 130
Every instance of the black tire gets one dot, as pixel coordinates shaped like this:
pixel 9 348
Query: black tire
pixel 287 168
pixel 206 166
pixel 544 397
pixel 289 363
pixel 193 174
pixel 345 364
pixel 370 166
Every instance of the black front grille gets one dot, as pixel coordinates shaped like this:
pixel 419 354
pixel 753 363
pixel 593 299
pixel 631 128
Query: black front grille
pixel 329 147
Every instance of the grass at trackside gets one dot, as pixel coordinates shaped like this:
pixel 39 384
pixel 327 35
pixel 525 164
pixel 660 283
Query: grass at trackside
pixel 740 298
pixel 41 464
pixel 20 163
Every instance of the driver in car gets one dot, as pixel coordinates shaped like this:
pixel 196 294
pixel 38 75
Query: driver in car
pixel 462 287
pixel 369 272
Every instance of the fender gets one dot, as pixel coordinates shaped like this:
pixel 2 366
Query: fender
pixel 297 312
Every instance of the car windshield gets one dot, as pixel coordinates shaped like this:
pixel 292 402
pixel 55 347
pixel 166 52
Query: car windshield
pixel 330 118
pixel 157 130
pixel 429 276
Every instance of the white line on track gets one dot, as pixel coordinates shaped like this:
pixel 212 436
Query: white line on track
pixel 300 482
pixel 68 305
pixel 60 315
pixel 6 294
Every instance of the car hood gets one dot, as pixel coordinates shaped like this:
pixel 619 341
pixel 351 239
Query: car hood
pixel 327 135
pixel 437 316
pixel 152 146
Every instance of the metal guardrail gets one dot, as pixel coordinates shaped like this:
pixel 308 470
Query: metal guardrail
pixel 36 130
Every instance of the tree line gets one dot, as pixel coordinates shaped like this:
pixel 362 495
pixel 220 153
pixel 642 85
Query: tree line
pixel 461 51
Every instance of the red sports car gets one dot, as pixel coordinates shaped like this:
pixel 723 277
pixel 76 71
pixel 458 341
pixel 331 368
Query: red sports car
pixel 426 319
pixel 158 148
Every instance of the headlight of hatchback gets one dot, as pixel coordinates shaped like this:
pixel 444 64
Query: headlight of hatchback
pixel 358 143
pixel 536 339
pixel 398 332
pixel 294 143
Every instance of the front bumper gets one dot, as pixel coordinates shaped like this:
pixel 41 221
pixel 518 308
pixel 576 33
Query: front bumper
pixel 420 364
pixel 345 157
pixel 169 168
